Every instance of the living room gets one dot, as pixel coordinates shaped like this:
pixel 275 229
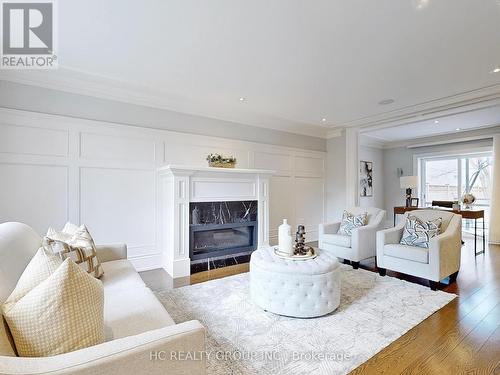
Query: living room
pixel 250 187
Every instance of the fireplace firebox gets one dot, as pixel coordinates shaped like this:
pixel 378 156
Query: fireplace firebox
pixel 222 228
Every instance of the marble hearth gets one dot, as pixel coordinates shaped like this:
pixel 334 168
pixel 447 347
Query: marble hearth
pixel 209 212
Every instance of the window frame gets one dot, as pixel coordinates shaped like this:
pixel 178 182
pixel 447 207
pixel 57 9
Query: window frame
pixel 458 156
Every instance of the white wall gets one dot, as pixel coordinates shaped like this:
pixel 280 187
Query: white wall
pixel 336 194
pixel 43 100
pixel 376 156
pixel 56 168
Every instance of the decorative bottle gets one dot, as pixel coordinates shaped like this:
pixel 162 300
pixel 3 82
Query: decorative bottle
pixel 195 216
pixel 285 238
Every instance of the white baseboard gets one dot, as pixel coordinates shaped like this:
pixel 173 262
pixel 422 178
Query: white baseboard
pixel 146 263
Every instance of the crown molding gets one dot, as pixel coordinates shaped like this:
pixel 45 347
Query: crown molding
pixel 83 83
pixel 334 133
pixel 367 141
pixel 447 138
pixel 455 104
pixel 450 141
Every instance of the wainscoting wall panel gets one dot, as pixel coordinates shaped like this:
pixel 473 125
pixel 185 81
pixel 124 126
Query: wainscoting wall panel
pixel 281 197
pixel 308 209
pixel 55 168
pixel 112 147
pixel 119 205
pixel 281 163
pixel 34 194
pixel 307 166
pixel 27 140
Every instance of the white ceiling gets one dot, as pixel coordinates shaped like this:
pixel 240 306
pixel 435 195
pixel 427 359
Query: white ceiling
pixel 295 62
pixel 456 124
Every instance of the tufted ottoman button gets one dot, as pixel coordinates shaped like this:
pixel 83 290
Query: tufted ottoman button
pixel 301 289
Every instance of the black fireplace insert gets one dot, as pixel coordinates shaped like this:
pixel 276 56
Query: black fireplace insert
pixel 222 228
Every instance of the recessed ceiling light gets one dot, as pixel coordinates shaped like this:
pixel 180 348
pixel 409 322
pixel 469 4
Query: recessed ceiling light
pixel 421 4
pixel 496 70
pixel 323 120
pixel 386 101
pixel 242 99
pixel 436 121
pixel 458 129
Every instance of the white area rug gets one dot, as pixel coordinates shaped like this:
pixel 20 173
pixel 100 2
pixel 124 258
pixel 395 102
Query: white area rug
pixel 374 311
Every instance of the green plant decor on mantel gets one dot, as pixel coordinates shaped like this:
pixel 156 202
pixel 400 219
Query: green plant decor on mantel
pixel 221 161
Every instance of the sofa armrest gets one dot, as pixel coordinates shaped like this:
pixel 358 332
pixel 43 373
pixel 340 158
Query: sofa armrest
pixel 161 351
pixel 107 253
pixel 330 228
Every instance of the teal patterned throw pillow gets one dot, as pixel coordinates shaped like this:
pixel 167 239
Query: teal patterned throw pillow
pixel 350 222
pixel 418 233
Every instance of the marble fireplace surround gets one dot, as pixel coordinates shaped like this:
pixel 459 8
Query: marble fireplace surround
pixel 178 186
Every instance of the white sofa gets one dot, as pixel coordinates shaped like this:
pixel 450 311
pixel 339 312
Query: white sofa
pixel 440 260
pixel 361 244
pixel 140 334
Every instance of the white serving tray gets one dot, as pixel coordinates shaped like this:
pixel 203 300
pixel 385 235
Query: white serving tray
pixel 283 255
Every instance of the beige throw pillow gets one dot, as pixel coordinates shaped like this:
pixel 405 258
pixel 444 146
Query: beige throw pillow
pixel 75 243
pixel 65 312
pixel 6 346
pixel 41 266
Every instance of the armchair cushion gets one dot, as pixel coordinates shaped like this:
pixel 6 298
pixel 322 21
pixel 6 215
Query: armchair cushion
pixel 418 232
pixel 413 253
pixel 337 239
pixel 389 236
pixel 351 222
pixel 330 228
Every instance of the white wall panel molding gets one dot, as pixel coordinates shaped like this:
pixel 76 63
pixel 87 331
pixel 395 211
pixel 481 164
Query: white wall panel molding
pixel 119 205
pixel 279 162
pixel 111 147
pixel 352 167
pixel 36 194
pixel 28 140
pixel 104 175
pixel 307 166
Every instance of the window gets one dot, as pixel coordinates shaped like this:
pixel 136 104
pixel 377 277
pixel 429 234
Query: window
pixel 440 180
pixel 449 178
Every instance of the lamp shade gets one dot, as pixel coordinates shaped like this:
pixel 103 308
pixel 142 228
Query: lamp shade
pixel 408 182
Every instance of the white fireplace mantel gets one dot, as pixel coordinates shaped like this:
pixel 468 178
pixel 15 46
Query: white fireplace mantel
pixel 180 185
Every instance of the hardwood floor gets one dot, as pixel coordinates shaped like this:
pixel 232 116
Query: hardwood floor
pixel 461 338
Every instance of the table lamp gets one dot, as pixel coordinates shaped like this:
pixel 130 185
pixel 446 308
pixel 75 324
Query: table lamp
pixel 408 182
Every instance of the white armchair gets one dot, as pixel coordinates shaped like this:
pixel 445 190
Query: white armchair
pixel 440 260
pixel 360 245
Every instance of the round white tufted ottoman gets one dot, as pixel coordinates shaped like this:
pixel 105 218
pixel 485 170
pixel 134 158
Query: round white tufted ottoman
pixel 302 289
